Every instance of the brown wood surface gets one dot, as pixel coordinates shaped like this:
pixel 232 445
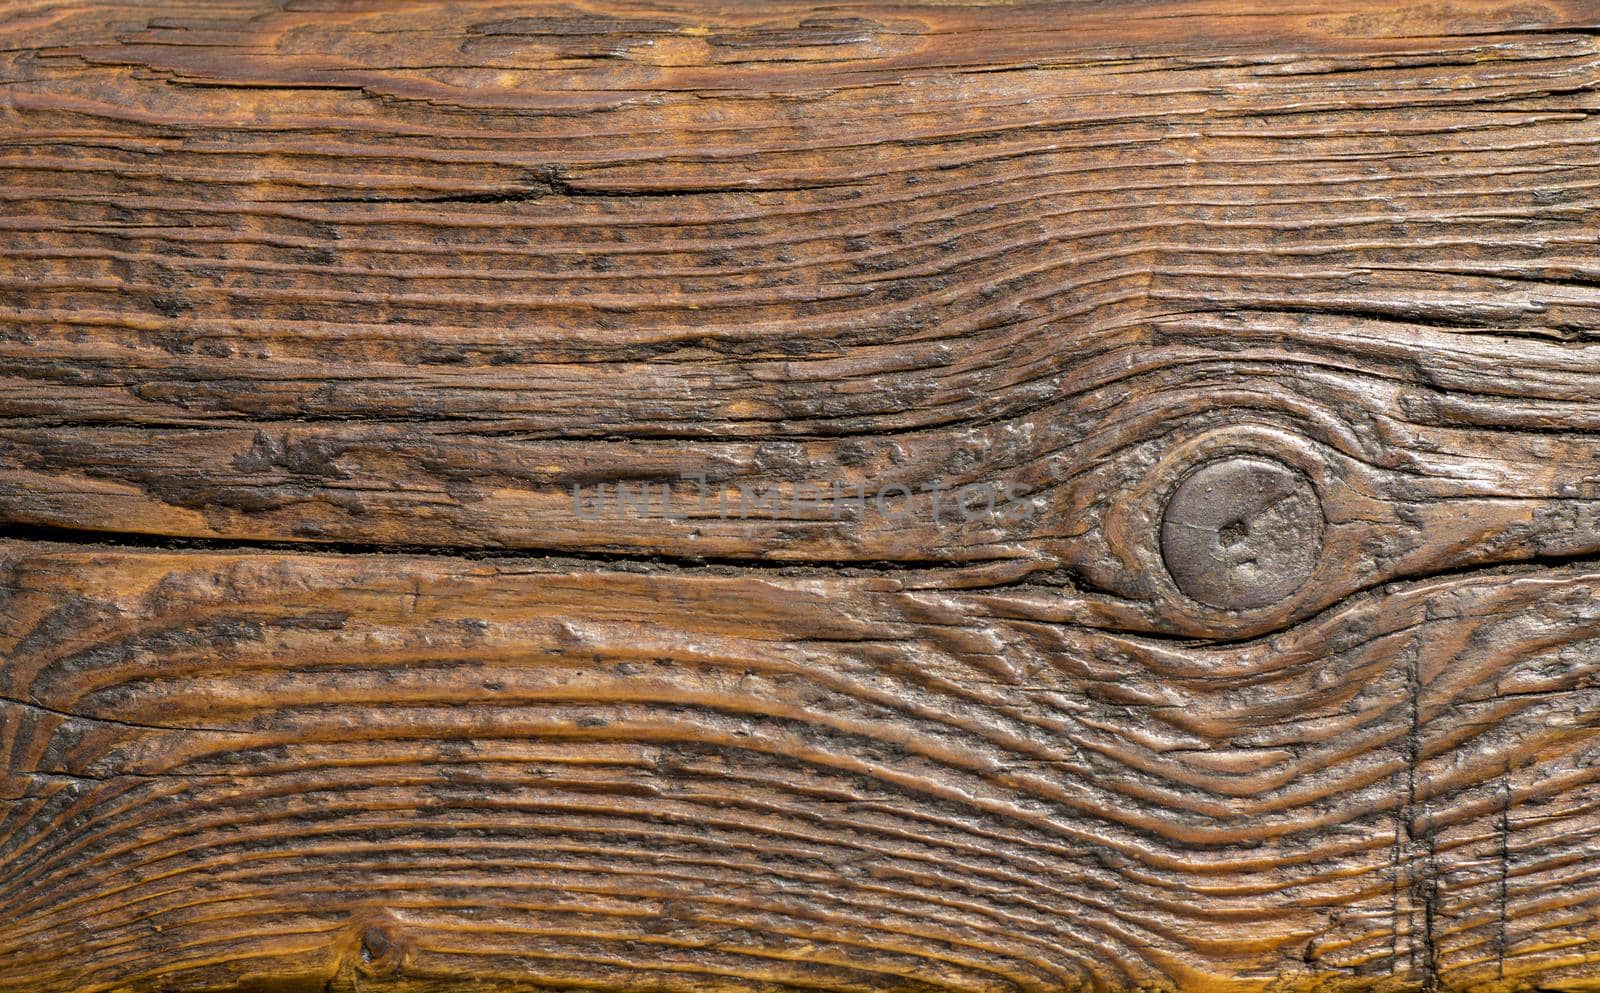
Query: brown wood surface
pixel 314 678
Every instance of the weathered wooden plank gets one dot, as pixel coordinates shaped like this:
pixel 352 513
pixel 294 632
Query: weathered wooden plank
pixel 1277 673
pixel 227 766
pixel 418 305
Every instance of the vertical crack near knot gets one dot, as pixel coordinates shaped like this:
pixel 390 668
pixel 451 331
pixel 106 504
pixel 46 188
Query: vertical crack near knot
pixel 1505 860
pixel 1420 854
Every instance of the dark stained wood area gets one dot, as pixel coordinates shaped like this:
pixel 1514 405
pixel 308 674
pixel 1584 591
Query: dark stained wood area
pixel 1203 595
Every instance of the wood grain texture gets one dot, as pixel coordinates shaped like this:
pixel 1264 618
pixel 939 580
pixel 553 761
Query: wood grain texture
pixel 314 676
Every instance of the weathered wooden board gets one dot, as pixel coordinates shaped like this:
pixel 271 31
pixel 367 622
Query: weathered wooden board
pixel 1275 328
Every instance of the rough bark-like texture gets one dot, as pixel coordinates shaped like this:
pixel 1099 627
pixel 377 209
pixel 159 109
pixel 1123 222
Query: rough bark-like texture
pixel 1280 320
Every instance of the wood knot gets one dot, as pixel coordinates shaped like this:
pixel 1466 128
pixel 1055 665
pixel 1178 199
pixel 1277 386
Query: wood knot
pixel 1242 532
pixel 376 946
